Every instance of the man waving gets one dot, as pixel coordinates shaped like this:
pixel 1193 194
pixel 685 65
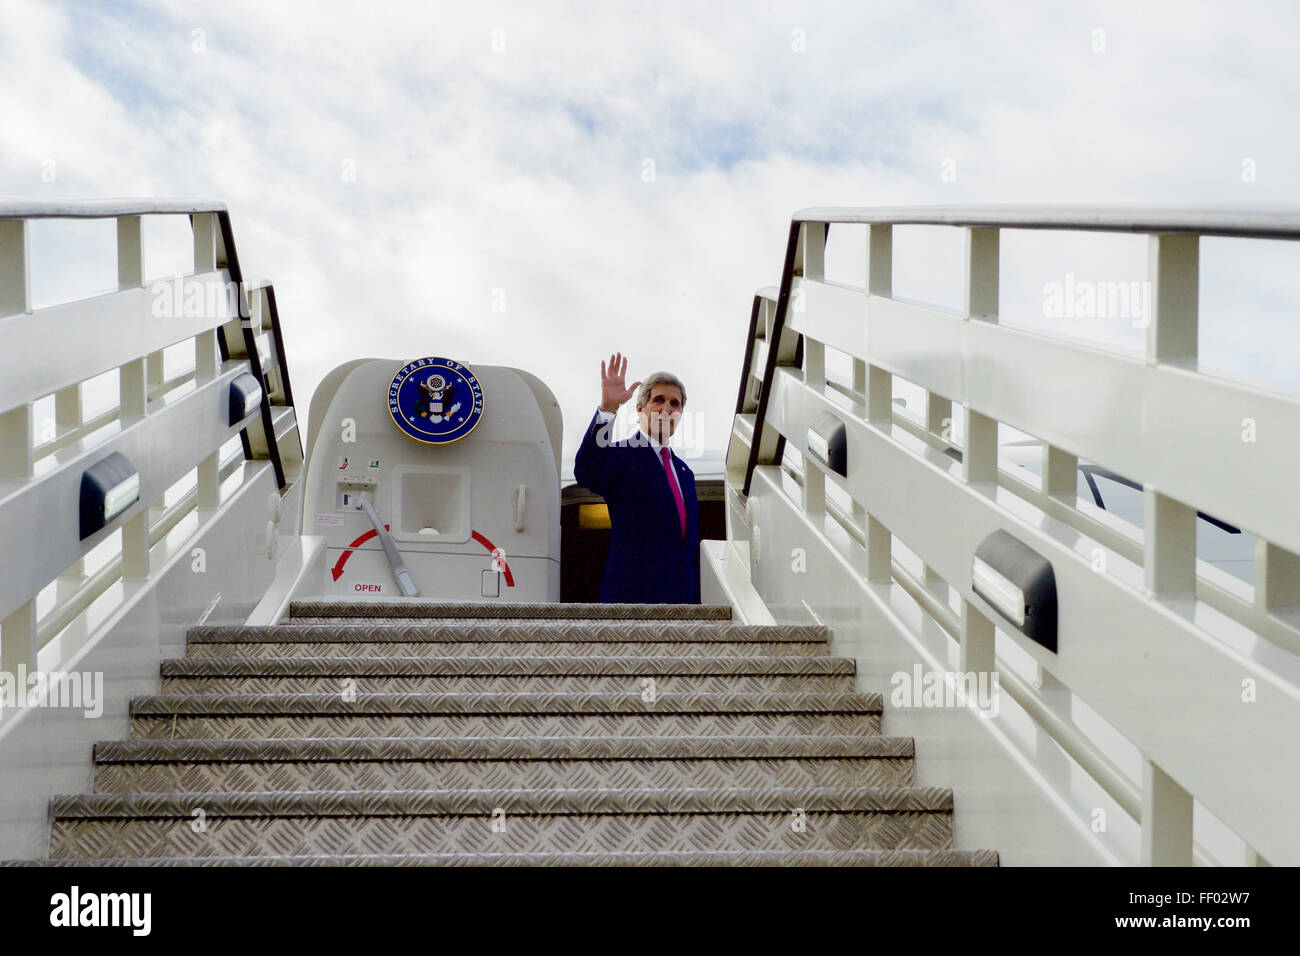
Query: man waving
pixel 654 550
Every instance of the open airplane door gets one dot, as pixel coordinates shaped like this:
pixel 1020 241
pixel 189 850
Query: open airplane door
pixel 438 480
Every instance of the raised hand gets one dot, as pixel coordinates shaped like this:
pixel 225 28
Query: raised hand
pixel 612 392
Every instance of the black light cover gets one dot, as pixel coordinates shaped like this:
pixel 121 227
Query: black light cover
pixel 96 482
pixel 826 442
pixel 1032 573
pixel 245 395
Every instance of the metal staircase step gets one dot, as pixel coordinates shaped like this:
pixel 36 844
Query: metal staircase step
pixel 391 715
pixel 401 632
pixel 513 666
pixel 185 766
pixel 889 858
pixel 441 674
pixel 433 733
pixel 518 821
pixel 407 608
pixel 544 684
pixel 509 703
pixel 503 748
pixel 536 648
pixel 170 725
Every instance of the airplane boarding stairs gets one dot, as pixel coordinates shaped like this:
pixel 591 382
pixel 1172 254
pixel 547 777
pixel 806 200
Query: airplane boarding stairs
pixel 168 520
pixel 414 732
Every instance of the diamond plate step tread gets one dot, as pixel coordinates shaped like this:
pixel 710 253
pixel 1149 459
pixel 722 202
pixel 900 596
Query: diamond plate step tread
pixel 503 748
pixel 537 611
pixel 882 858
pixel 500 631
pixel 283 777
pixel 558 665
pixel 508 734
pixel 607 684
pixel 174 726
pixel 539 802
pixel 672 683
pixel 506 703
pixel 188 766
pixel 784 829
pixel 551 674
pixel 267 649
pixel 573 674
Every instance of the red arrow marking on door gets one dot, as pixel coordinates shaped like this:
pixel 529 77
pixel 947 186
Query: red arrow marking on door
pixel 337 570
pixel 510 578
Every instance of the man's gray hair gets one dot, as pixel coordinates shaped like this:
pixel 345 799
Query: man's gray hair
pixel 659 378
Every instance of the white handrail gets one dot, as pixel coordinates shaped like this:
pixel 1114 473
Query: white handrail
pixel 1243 221
pixel 1140 619
pixel 19 208
pixel 167 428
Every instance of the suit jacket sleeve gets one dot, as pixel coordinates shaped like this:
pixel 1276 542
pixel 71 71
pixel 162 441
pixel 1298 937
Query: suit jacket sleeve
pixel 594 466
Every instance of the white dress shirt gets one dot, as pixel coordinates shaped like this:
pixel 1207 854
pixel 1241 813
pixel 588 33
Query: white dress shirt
pixel 605 416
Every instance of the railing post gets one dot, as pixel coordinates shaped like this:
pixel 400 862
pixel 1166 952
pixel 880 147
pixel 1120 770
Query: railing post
pixel 938 422
pixel 69 414
pixel 135 546
pixel 977 640
pixel 15 267
pixel 17 437
pixel 814 364
pixel 814 270
pixel 205 242
pixel 68 409
pixel 130 275
pixel 879 546
pixel 130 253
pixel 814 487
pixel 980 457
pixel 813 246
pixel 17 443
pixel 877 386
pixel 136 378
pixel 133 389
pixel 860 377
pixel 209 481
pixel 18 640
pixel 880 397
pixel 982 274
pixel 979 460
pixel 880 260
pixel 207 359
pixel 1166 819
pixel 1173 269
pixel 1169 558
pixel 938 416
pixel 1060 475
pixel 1277 577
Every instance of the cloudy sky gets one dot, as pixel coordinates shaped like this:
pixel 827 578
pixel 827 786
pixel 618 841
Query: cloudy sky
pixel 620 176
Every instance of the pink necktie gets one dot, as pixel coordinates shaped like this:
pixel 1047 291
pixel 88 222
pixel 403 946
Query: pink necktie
pixel 677 492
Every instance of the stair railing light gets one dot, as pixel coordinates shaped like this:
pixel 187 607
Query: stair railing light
pixel 1020 585
pixel 108 488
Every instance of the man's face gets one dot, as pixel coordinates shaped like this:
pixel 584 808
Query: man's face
pixel 659 416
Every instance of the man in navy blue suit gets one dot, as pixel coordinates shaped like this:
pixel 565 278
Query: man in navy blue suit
pixel 654 548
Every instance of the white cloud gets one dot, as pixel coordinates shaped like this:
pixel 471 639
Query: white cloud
pixel 521 170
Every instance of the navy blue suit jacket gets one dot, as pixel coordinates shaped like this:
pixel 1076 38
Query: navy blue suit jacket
pixel 650 561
